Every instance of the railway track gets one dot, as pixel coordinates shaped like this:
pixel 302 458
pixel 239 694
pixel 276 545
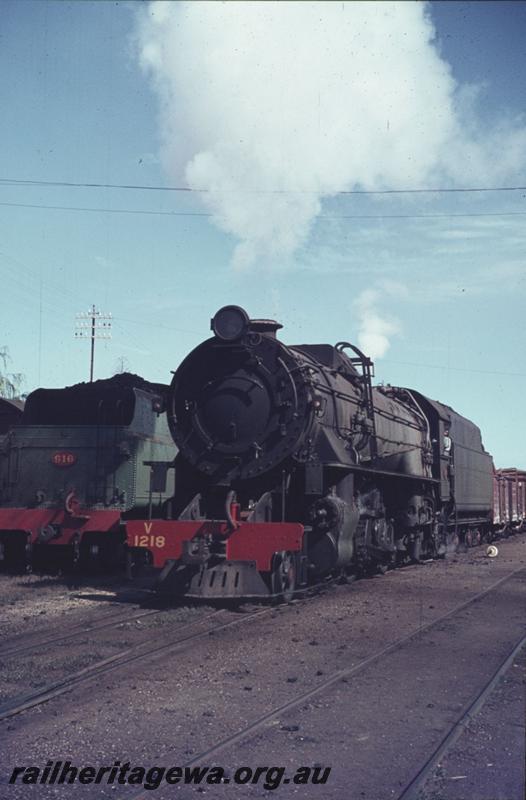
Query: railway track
pixel 39 640
pixel 139 652
pixel 412 789
pixel 209 755
pixel 20 644
pixel 259 730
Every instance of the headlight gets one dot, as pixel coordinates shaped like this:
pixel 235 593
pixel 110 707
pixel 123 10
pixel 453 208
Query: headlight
pixel 230 323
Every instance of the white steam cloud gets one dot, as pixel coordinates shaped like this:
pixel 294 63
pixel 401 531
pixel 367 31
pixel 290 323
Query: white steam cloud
pixel 375 328
pixel 258 97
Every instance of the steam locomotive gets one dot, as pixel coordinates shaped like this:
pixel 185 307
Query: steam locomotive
pixel 72 471
pixel 292 466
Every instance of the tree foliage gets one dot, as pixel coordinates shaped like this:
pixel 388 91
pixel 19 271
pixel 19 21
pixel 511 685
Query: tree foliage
pixel 10 382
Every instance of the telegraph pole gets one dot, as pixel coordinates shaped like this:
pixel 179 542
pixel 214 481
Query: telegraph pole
pixel 92 325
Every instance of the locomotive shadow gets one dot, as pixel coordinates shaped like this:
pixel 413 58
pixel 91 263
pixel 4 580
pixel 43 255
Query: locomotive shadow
pixel 94 588
pixel 111 590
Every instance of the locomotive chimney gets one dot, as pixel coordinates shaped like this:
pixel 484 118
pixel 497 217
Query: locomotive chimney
pixel 267 326
pixel 232 323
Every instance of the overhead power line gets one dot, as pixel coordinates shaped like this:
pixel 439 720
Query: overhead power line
pixel 207 214
pixel 157 325
pixel 455 369
pixel 190 189
pixel 111 210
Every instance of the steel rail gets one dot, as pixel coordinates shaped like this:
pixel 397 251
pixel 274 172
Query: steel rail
pixel 107 621
pixel 21 703
pixel 205 756
pixel 469 711
pixel 117 618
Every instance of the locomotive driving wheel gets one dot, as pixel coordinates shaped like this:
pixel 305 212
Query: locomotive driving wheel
pixel 284 575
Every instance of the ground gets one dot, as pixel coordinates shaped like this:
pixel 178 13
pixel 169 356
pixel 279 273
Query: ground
pixel 338 686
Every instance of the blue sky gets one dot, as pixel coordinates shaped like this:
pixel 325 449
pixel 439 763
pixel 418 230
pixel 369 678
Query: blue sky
pixel 439 279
